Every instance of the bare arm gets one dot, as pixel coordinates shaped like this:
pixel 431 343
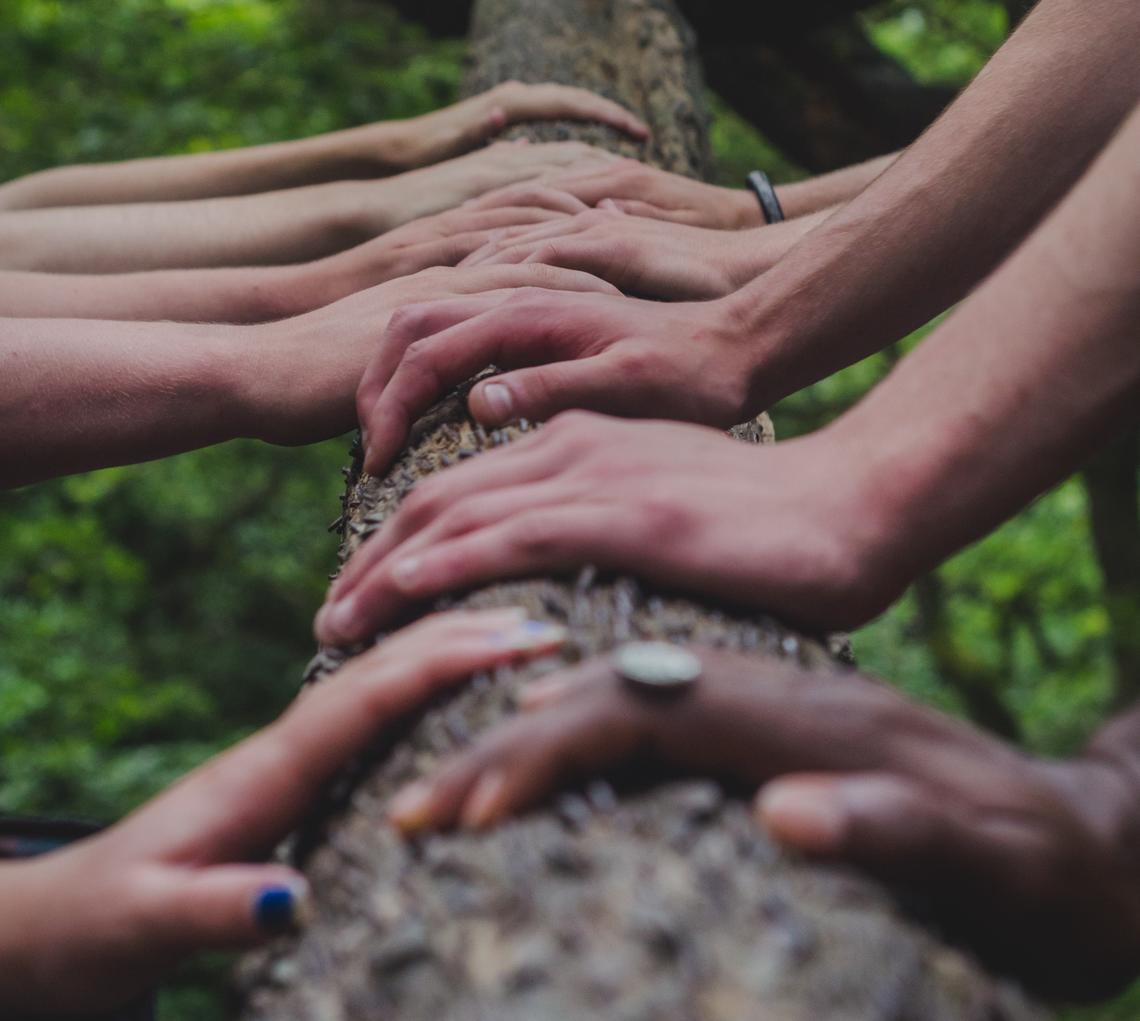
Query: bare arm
pixel 835 188
pixel 942 216
pixel 999 403
pixel 81 394
pixel 77 394
pixel 259 293
pixel 372 150
pixel 268 229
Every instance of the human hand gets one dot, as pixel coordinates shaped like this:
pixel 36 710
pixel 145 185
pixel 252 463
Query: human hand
pixel 441 186
pixel 455 129
pixel 676 505
pixel 1033 863
pixel 645 257
pixel 641 190
pixel 296 378
pixel 87 928
pixel 440 240
pixel 604 353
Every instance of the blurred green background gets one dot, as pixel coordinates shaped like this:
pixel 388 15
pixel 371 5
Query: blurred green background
pixel 151 615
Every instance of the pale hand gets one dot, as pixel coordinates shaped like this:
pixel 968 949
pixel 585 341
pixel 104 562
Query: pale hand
pixel 88 928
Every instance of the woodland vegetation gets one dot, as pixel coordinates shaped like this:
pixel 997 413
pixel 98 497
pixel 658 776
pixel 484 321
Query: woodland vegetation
pixel 150 615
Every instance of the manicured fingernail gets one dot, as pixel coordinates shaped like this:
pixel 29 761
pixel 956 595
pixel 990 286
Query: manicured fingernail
pixel 410 809
pixel 498 400
pixel 281 908
pixel 531 634
pixel 484 805
pixel 335 620
pixel 809 817
pixel 543 692
pixel 404 572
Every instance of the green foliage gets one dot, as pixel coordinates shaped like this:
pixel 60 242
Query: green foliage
pixel 150 615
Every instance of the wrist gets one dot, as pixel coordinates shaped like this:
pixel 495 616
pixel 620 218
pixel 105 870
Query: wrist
pixel 739 209
pixel 290 388
pixel 28 949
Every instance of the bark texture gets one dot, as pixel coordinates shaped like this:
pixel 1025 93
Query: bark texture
pixel 656 904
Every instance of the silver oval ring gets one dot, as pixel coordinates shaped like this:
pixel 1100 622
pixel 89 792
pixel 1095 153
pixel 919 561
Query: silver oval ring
pixel 656 666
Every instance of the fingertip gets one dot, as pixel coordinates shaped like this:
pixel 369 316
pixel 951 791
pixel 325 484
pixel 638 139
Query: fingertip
pixel 486 803
pixel 282 905
pixel 412 808
pixel 492 403
pixel 610 204
pixel 336 622
pixel 806 814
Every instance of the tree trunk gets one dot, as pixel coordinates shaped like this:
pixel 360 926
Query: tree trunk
pixel 655 904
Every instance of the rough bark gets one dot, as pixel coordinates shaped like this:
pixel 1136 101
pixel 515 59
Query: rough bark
pixel 664 903
pixel 842 100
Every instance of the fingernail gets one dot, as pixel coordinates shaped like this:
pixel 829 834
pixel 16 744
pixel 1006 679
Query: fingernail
pixel 484 804
pixel 808 817
pixel 404 572
pixel 281 908
pixel 531 634
pixel 498 400
pixel 410 809
pixel 335 620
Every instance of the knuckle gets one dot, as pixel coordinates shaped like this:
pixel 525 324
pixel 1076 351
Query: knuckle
pixel 538 538
pixel 418 353
pixel 661 515
pixel 636 364
pixel 405 320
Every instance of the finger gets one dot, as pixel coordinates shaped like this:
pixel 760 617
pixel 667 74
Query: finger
pixel 550 101
pixel 506 239
pixel 517 216
pixel 417 364
pixel 525 460
pixel 598 383
pixel 410 378
pixel 523 760
pixel 529 194
pixel 187 909
pixel 244 801
pixel 480 510
pixel 497 253
pixel 407 325
pixel 534 542
pixel 893 825
pixel 636 207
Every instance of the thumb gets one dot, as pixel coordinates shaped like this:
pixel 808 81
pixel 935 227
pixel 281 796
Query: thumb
pixel 226 906
pixel 542 391
pixel 880 820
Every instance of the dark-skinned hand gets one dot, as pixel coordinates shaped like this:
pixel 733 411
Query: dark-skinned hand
pixel 1034 862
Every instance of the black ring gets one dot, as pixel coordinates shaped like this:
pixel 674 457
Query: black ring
pixel 766 195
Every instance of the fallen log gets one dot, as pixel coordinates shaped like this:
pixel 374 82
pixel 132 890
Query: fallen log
pixel 657 904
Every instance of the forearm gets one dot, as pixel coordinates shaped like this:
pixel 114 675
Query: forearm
pixel 270 229
pixel 365 152
pixel 1019 385
pixel 827 190
pixel 233 295
pixel 82 394
pixel 756 250
pixel 946 212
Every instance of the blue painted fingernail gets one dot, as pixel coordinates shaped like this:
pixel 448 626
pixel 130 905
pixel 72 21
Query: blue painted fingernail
pixel 276 909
